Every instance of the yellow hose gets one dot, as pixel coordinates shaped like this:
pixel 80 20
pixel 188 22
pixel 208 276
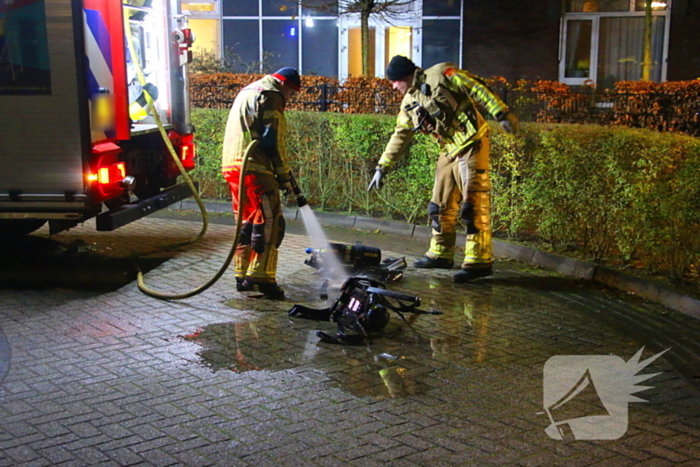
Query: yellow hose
pixel 168 144
pixel 205 218
pixel 232 251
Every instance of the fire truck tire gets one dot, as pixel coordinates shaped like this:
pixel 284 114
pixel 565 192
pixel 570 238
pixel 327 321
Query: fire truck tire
pixel 15 228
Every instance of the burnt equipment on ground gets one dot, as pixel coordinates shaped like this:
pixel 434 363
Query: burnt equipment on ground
pixel 363 307
pixel 357 260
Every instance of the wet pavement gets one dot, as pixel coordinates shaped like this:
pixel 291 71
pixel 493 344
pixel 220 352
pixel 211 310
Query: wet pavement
pixel 93 372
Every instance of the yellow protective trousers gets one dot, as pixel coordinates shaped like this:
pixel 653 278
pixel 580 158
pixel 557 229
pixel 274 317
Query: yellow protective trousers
pixel 263 226
pixel 461 191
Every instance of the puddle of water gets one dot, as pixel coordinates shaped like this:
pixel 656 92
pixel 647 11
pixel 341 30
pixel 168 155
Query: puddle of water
pixel 391 366
pixel 235 346
pixel 296 291
pixel 364 371
pixel 405 359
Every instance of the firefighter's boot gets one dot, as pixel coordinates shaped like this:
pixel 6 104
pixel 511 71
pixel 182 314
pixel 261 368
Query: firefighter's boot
pixel 426 262
pixel 271 291
pixel 244 285
pixel 469 274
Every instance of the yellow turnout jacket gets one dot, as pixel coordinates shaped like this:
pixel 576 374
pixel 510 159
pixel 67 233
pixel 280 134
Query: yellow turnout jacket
pixel 258 113
pixel 448 96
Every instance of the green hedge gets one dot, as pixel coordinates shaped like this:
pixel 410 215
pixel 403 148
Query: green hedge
pixel 619 195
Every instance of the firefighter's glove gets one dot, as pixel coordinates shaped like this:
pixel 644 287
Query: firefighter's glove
pixel 257 240
pixel 376 180
pixel 509 122
pixel 426 122
pixel 286 188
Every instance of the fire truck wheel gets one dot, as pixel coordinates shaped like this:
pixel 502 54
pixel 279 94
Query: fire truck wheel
pixel 15 228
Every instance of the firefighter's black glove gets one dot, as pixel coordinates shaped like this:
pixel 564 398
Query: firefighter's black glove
pixel 509 122
pixel 376 180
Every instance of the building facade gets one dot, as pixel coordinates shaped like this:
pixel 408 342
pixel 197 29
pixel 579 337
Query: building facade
pixel 573 41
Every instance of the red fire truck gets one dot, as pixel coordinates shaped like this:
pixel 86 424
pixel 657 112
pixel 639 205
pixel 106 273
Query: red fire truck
pixel 78 137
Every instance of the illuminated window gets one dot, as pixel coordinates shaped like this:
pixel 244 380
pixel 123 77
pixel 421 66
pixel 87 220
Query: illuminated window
pixel 207 7
pixel 398 40
pixel 322 42
pixel 604 40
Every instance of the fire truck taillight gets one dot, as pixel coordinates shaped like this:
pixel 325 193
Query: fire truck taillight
pixel 185 147
pixel 186 152
pixel 113 173
pixel 106 172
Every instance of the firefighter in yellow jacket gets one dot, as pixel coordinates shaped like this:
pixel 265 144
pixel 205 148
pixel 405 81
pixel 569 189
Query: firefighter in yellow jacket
pixel 258 114
pixel 441 101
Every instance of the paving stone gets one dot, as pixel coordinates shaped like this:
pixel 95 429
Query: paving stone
pixel 110 378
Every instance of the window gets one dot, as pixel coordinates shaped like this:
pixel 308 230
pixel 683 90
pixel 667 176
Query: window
pixel 440 42
pixel 240 8
pixel 263 35
pixel 441 8
pixel 587 6
pixel 204 20
pixel 355 51
pixel 279 8
pixel 603 41
pixel 325 8
pixel 640 5
pixel 398 40
pixel 578 49
pixel 207 35
pixel 280 44
pixel 320 47
pixel 620 52
pixel 241 39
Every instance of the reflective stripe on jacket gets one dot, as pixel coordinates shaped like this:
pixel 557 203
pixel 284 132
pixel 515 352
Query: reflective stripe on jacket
pixel 449 96
pixel 258 113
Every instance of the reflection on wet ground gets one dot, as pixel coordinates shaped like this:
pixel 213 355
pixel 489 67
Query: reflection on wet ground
pixel 405 358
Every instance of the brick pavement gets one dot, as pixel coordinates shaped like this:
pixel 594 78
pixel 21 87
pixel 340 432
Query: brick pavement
pixel 118 378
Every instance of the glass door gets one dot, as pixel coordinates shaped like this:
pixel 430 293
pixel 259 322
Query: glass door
pixel 386 40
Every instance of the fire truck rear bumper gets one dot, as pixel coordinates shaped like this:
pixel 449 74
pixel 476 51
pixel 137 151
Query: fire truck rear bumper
pixel 113 219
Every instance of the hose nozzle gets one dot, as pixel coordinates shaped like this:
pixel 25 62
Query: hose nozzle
pixel 301 199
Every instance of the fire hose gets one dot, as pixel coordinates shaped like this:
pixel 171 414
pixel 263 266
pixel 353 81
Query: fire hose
pixel 205 218
pixel 236 238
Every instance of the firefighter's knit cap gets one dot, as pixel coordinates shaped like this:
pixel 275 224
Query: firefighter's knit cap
pixel 399 67
pixel 289 76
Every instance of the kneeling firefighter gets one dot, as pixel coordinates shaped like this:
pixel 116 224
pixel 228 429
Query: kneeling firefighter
pixel 441 101
pixel 258 114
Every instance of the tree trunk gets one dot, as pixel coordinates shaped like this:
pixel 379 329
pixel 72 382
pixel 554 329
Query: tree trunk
pixel 364 24
pixel 646 61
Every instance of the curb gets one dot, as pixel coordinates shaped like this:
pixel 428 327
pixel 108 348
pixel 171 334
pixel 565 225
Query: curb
pixel 561 264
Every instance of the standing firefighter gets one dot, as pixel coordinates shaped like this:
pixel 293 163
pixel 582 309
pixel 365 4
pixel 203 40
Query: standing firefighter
pixel 258 114
pixel 442 101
